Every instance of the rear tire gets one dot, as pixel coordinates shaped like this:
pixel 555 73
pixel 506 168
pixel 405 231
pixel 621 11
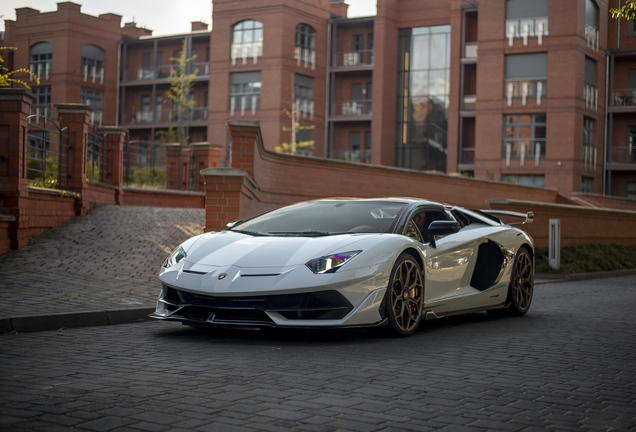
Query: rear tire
pixel 405 296
pixel 521 286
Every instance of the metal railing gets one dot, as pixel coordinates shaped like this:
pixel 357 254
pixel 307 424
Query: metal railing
pixel 591 37
pixel 47 153
pixel 359 156
pixel 354 58
pixel 96 157
pixel 41 69
pixel 623 97
pixel 590 155
pixel 623 155
pixel 590 94
pixel 525 89
pixel 305 56
pixel 163 71
pixel 352 108
pixel 525 28
pixel 145 165
pixel 243 51
pixel 93 73
pixel 524 150
pixel 170 115
pixel 467 156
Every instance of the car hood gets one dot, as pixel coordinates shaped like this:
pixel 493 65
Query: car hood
pixel 229 248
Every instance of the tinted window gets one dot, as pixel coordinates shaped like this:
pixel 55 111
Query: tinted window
pixel 326 217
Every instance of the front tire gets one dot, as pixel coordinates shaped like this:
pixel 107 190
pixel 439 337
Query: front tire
pixel 405 296
pixel 521 286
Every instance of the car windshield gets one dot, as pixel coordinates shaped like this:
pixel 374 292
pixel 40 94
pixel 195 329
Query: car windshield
pixel 321 218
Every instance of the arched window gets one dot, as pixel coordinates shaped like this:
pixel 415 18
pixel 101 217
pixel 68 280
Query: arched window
pixel 247 41
pixel 42 60
pixel 93 63
pixel 305 51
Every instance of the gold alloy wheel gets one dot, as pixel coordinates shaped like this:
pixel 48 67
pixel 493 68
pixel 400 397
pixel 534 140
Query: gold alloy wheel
pixel 405 296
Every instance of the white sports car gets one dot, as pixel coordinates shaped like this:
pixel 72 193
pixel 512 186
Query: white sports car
pixel 350 263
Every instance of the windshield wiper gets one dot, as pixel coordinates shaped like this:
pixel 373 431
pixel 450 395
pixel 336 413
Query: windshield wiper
pixel 248 232
pixel 307 233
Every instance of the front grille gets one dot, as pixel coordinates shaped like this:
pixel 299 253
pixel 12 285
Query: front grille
pixel 321 305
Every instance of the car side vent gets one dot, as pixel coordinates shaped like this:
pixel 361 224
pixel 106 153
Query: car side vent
pixel 488 265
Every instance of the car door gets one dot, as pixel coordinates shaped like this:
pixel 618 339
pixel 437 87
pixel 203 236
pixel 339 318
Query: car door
pixel 447 263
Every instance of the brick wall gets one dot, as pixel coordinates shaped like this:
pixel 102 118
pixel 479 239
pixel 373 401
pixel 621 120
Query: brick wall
pixel 263 180
pixel 579 225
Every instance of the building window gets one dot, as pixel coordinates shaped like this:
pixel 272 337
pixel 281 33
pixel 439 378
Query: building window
pixel 95 100
pixel 630 189
pixel 526 77
pixel 524 137
pixel 524 180
pixel 590 92
pixel 422 100
pixel 589 151
pixel 587 184
pixel 93 64
pixel 304 96
pixel 245 92
pixel 42 60
pixel 591 24
pixel 526 19
pixel 42 103
pixel 247 41
pixel 305 51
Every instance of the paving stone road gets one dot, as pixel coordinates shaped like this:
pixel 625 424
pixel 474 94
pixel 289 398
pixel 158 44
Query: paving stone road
pixel 569 365
pixel 108 259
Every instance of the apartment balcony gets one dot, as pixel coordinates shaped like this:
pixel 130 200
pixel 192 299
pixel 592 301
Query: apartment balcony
pixel 166 117
pixel 160 73
pixel 623 100
pixel 526 90
pixel 526 28
pixel 352 110
pixel 623 157
pixel 354 60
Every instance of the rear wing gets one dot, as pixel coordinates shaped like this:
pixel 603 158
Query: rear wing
pixel 528 217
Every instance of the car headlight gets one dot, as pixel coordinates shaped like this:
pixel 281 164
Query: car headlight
pixel 330 263
pixel 175 257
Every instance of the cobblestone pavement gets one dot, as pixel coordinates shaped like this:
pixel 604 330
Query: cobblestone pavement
pixel 107 259
pixel 569 365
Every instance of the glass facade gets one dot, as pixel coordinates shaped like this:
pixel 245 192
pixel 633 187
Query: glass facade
pixel 423 95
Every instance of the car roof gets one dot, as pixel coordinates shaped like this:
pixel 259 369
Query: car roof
pixel 404 200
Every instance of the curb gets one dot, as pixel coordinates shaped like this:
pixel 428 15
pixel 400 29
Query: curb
pixel 546 278
pixel 36 323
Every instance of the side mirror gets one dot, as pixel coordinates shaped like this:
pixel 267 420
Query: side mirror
pixel 235 223
pixel 442 228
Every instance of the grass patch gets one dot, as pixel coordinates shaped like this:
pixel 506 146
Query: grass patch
pixel 589 258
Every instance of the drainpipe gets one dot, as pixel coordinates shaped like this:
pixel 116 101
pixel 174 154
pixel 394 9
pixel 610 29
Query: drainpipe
pixel 607 99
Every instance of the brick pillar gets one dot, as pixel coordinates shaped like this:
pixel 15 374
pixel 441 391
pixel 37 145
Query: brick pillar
pixel 205 156
pixel 76 117
pixel 245 136
pixel 225 191
pixel 177 166
pixel 115 138
pixel 15 105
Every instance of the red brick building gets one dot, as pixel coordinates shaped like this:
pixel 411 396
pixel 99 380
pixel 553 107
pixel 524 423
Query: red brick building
pixel 538 92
